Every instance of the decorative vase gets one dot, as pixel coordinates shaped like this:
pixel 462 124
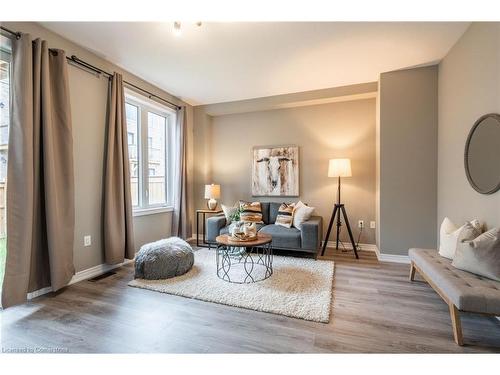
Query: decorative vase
pixel 235 227
pixel 250 229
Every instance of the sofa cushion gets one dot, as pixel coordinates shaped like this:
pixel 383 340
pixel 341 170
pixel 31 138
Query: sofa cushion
pixel 283 237
pixel 265 212
pixel 274 208
pixel 467 291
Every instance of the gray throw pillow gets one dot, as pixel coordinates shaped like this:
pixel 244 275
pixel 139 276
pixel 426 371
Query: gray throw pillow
pixel 481 255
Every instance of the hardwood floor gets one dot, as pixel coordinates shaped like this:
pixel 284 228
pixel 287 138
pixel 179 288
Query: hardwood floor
pixel 375 310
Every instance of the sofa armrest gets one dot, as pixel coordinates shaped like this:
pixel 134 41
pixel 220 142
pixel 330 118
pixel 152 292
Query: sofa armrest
pixel 311 233
pixel 214 225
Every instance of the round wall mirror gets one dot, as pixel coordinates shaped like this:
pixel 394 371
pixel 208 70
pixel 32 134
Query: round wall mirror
pixel 482 154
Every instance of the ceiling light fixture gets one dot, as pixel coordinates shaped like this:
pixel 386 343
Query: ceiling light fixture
pixel 177 28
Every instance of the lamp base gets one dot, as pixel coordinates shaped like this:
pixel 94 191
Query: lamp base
pixel 339 210
pixel 212 204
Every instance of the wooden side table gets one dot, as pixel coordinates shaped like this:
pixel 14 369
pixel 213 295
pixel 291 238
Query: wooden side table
pixel 203 212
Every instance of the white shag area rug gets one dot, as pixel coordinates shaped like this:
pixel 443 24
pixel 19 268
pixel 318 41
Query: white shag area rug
pixel 299 288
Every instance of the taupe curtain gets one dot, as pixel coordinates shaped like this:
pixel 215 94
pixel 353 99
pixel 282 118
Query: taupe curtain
pixel 40 181
pixel 118 229
pixel 180 221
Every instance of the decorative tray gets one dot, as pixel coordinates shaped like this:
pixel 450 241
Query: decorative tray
pixel 242 237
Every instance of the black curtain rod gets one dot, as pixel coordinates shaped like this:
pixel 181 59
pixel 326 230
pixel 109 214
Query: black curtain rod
pixel 97 70
pixel 17 35
pixel 75 60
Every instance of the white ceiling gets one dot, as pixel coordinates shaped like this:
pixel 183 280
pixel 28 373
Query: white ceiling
pixel 220 62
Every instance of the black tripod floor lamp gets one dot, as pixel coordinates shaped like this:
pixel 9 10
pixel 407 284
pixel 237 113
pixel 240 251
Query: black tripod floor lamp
pixel 339 168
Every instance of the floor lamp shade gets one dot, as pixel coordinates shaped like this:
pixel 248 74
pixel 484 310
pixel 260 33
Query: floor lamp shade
pixel 339 168
pixel 212 193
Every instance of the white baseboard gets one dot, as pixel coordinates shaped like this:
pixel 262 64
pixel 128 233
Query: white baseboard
pixel 348 246
pixel 393 258
pixel 81 276
pixel 39 292
pixel 405 259
pixel 364 247
pixel 372 247
pixel 96 271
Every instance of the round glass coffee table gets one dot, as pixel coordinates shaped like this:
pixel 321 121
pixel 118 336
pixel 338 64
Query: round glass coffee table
pixel 244 262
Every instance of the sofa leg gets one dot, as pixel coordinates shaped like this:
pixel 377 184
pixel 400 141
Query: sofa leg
pixel 457 325
pixel 412 271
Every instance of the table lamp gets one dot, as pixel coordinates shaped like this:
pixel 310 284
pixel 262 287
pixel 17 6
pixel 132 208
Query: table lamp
pixel 339 168
pixel 212 193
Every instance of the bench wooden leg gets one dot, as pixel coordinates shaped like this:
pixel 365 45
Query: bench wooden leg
pixel 457 325
pixel 412 271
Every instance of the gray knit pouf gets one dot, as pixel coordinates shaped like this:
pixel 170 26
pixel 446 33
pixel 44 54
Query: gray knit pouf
pixel 163 259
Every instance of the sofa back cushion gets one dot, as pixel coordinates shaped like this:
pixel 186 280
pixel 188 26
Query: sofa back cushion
pixel 265 212
pixel 274 208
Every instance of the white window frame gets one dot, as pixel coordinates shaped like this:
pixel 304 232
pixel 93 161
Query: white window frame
pixel 145 106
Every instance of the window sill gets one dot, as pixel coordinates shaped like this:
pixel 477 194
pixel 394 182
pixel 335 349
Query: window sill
pixel 151 211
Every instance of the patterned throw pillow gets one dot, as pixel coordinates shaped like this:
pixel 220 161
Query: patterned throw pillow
pixel 229 212
pixel 251 212
pixel 285 215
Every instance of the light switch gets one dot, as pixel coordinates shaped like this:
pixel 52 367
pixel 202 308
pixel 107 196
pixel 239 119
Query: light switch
pixel 372 224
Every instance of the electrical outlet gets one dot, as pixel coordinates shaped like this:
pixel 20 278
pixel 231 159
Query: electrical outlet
pixel 87 240
pixel 361 224
pixel 372 224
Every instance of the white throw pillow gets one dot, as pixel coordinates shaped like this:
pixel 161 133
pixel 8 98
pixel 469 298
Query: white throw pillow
pixel 481 255
pixel 450 235
pixel 301 214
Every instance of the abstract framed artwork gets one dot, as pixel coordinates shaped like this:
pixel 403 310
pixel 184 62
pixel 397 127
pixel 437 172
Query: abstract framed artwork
pixel 275 171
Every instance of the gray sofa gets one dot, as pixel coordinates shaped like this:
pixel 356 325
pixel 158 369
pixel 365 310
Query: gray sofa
pixel 462 291
pixel 308 239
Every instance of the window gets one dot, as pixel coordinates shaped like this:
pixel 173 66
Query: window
pixel 132 112
pixel 150 132
pixel 5 71
pixel 131 138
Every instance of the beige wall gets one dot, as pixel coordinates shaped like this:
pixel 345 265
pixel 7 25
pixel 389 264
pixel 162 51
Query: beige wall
pixel 324 131
pixel 408 160
pixel 88 105
pixel 469 86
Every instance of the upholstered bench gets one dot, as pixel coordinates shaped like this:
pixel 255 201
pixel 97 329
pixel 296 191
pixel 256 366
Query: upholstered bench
pixel 461 290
